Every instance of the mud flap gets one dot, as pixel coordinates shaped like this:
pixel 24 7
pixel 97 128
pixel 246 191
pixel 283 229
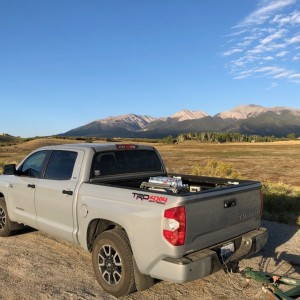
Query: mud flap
pixel 142 281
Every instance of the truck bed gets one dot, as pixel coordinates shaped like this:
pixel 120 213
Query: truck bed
pixel 194 184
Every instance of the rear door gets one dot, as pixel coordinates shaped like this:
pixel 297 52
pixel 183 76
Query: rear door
pixel 55 194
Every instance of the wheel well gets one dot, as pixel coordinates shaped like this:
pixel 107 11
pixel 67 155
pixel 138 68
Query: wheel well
pixel 96 227
pixel 1 196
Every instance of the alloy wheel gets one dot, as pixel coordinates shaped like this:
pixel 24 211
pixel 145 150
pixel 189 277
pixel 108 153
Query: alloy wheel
pixel 110 264
pixel 2 218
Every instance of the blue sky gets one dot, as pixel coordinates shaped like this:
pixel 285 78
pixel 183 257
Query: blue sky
pixel 64 63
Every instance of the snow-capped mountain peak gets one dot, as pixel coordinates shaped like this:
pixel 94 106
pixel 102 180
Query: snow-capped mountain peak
pixel 188 115
pixel 242 112
pixel 128 121
pixel 249 111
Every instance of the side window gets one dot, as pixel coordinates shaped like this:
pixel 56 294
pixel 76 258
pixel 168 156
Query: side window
pixel 32 166
pixel 61 165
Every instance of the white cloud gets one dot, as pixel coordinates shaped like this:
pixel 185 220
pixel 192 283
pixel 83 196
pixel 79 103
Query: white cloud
pixel 241 76
pixel 295 76
pixel 296 57
pixel 272 85
pixel 282 53
pixel 245 42
pixel 291 19
pixel 273 72
pixel 268 58
pixel 263 13
pixel 270 70
pixel 273 36
pixel 232 51
pixel 284 74
pixel 270 34
pixel 293 40
pixel 242 61
pixel 266 48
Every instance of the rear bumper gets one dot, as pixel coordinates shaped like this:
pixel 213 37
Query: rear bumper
pixel 205 262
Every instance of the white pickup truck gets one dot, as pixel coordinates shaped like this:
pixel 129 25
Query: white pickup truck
pixel 140 223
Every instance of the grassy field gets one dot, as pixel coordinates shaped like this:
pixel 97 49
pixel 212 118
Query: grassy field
pixel 276 164
pixel 271 162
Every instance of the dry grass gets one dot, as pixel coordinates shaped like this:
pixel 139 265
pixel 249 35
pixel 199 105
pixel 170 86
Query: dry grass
pixel 268 162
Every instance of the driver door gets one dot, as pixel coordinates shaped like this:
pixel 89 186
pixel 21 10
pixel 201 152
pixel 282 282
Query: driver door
pixel 22 188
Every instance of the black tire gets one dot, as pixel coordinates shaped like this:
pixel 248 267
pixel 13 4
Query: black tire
pixel 112 263
pixel 5 223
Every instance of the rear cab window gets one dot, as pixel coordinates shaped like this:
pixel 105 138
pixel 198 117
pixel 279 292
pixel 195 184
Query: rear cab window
pixel 125 161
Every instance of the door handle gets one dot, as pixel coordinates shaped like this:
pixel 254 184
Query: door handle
pixel 67 192
pixel 32 186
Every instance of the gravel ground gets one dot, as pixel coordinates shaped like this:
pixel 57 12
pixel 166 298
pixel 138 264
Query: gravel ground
pixel 36 266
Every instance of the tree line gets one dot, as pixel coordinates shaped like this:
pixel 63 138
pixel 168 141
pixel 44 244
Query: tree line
pixel 222 137
pixel 219 137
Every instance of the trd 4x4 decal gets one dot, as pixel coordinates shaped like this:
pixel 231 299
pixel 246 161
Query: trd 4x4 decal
pixel 150 198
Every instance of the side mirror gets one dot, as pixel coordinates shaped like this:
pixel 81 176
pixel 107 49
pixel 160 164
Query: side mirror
pixel 10 170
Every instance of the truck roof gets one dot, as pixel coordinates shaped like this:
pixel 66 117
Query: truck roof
pixel 99 146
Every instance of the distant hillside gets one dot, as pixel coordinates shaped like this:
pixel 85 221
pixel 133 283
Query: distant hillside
pixel 278 123
pixel 246 119
pixel 4 137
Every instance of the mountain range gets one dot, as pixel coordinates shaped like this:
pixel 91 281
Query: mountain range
pixel 246 119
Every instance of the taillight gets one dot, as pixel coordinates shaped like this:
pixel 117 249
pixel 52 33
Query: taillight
pixel 126 146
pixel 174 225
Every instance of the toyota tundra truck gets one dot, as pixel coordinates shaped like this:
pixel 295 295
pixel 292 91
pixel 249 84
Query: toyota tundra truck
pixel 139 223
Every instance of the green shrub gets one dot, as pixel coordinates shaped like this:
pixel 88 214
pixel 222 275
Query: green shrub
pixel 216 168
pixel 89 140
pixel 169 140
pixel 281 203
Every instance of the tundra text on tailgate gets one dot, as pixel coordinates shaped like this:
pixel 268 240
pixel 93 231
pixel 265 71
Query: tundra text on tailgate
pixel 139 222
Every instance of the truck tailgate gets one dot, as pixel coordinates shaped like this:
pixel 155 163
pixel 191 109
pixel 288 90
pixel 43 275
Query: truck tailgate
pixel 217 216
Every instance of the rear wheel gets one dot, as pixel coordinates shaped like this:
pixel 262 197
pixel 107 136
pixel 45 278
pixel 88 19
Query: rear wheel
pixel 112 263
pixel 5 223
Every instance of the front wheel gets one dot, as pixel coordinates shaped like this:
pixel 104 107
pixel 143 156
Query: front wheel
pixel 112 263
pixel 5 223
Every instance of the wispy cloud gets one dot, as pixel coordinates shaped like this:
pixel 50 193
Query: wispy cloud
pixel 274 36
pixel 296 57
pixel 265 11
pixel 294 39
pixel 268 58
pixel 272 85
pixel 290 19
pixel 282 53
pixel 232 51
pixel 269 34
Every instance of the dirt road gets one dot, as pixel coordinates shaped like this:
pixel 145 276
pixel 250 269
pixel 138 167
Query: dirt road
pixel 36 266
